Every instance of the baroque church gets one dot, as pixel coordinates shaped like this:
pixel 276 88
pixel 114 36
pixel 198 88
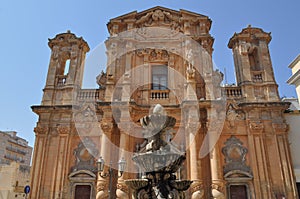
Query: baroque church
pixel 234 137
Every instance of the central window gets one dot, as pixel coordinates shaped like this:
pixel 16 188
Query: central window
pixel 159 77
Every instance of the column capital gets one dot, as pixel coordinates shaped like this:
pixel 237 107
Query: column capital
pixel 256 127
pixel 40 130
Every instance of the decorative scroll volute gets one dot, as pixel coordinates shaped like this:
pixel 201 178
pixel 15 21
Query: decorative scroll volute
pixel 40 130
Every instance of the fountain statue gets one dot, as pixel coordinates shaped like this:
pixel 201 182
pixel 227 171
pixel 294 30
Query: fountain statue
pixel 159 159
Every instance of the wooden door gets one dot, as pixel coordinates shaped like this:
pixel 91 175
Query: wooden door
pixel 238 192
pixel 83 192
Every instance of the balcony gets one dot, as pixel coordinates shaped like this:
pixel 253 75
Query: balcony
pixel 159 94
pixel 14 158
pixel 257 77
pixel 88 95
pixel 18 142
pixel 16 150
pixel 233 92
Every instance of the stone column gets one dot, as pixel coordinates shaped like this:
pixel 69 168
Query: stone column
pixel 194 142
pixel 288 190
pixel 218 184
pixel 38 156
pixel 105 153
pixel 215 127
pixel 122 190
pixel 256 140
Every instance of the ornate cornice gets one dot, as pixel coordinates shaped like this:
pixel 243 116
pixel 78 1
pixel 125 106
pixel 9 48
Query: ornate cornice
pixel 249 34
pixel 67 39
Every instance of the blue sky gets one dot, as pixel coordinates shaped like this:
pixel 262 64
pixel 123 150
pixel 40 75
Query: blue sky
pixel 27 25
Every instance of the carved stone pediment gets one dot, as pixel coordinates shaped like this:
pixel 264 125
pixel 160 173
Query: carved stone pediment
pixel 82 174
pixel 179 21
pixel 159 17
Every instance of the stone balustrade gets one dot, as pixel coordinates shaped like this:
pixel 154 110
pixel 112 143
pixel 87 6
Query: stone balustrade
pixel 159 94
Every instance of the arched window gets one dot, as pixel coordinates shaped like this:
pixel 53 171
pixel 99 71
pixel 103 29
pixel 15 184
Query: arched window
pixel 253 59
pixel 67 67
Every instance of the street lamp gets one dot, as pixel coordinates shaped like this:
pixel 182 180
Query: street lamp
pixel 121 168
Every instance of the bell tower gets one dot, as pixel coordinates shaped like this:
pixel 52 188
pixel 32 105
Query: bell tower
pixel 65 73
pixel 253 66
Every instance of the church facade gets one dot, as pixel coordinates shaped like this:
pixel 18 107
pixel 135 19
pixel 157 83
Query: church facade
pixel 234 136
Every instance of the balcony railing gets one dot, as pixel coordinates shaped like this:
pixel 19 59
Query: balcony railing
pixel 159 94
pixel 257 77
pixel 13 149
pixel 14 158
pixel 18 142
pixel 233 92
pixel 88 94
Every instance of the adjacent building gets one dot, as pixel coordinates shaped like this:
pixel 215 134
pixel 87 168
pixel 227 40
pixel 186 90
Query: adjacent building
pixel 14 148
pixel 295 78
pixel 15 159
pixel 14 177
pixel 292 116
pixel 235 137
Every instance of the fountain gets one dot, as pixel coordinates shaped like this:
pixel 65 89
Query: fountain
pixel 159 159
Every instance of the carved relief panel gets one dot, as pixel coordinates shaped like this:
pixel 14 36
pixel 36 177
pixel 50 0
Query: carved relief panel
pixel 85 154
pixel 235 157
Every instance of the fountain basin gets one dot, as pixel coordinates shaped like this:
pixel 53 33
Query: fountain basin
pixel 159 161
pixel 136 184
pixel 181 185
